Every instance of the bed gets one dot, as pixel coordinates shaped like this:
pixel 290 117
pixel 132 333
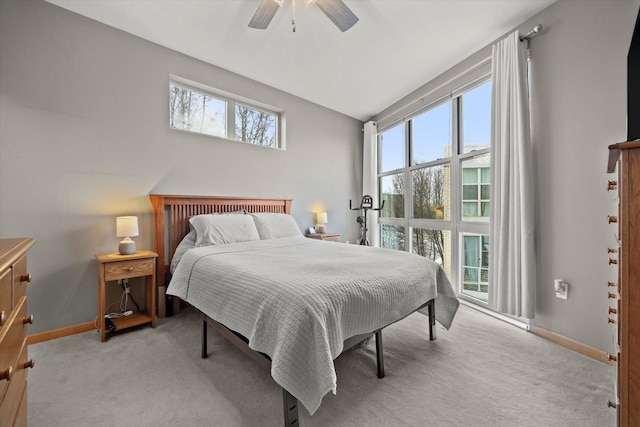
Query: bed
pixel 293 304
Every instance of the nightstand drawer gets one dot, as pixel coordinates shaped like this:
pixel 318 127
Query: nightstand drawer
pixel 126 269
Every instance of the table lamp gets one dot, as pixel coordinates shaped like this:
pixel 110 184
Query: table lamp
pixel 127 227
pixel 322 220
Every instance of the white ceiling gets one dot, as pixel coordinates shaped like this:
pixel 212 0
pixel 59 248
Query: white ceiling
pixel 396 47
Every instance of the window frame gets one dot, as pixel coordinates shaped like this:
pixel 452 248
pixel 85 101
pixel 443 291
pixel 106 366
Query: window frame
pixel 479 268
pixel 455 224
pixel 232 101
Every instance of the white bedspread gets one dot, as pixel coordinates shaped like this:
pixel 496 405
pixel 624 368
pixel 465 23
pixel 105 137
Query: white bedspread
pixel 298 299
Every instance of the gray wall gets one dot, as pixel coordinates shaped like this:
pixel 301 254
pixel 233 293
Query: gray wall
pixel 578 107
pixel 84 137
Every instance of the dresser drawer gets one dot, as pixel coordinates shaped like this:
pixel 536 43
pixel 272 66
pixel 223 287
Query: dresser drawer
pixel 20 279
pixel 21 415
pixel 15 393
pixel 12 338
pixel 126 269
pixel 5 295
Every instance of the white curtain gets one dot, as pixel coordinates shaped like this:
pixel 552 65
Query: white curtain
pixel 511 250
pixel 370 179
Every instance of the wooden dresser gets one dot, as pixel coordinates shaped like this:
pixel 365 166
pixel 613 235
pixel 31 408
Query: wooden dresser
pixel 626 292
pixel 14 360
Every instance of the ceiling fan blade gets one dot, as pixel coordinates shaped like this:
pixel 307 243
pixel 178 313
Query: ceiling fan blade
pixel 338 12
pixel 264 14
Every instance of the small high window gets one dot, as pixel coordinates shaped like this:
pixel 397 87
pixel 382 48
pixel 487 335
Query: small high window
pixel 255 126
pixel 219 114
pixel 197 112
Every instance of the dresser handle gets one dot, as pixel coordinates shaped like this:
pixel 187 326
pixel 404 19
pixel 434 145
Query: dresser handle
pixel 610 320
pixel 6 374
pixel 130 268
pixel 28 319
pixel 612 357
pixel 26 278
pixel 612 310
pixel 611 250
pixel 611 185
pixel 610 284
pixel 612 218
pixel 3 317
pixel 612 261
pixel 611 295
pixel 28 364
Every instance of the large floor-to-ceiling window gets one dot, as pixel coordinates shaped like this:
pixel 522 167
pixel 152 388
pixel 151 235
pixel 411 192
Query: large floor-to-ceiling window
pixel 433 175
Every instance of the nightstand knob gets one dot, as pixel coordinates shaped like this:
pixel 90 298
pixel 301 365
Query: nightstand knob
pixel 612 261
pixel 610 320
pixel 611 296
pixel 611 250
pixel 26 278
pixel 3 317
pixel 28 319
pixel 612 310
pixel 610 284
pixel 28 364
pixel 611 185
pixel 612 218
pixel 130 268
pixel 6 374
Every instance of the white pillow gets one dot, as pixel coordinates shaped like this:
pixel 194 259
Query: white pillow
pixel 217 229
pixel 187 243
pixel 275 225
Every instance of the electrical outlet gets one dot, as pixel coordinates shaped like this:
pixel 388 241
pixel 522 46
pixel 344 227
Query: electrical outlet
pixel 561 288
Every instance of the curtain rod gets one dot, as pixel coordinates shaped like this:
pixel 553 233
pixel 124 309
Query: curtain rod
pixel 531 34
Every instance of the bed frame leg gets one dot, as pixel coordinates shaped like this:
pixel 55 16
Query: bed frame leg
pixel 379 353
pixel 290 409
pixel 205 352
pixel 432 320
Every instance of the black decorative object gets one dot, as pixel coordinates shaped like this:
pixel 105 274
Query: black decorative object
pixel 365 205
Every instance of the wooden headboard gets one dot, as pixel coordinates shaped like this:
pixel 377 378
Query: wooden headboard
pixel 171 215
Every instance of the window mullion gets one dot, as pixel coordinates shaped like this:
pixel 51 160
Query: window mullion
pixel 455 193
pixel 408 187
pixel 231 120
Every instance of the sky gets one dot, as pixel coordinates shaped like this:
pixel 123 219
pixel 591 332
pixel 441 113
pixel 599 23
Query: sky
pixel 432 130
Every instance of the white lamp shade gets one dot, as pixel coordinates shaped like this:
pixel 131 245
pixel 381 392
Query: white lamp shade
pixel 322 217
pixel 127 226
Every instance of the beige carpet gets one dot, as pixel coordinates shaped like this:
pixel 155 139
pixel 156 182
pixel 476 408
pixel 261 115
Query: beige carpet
pixel 482 372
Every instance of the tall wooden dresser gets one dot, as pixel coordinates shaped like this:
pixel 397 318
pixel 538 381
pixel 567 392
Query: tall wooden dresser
pixel 626 155
pixel 13 331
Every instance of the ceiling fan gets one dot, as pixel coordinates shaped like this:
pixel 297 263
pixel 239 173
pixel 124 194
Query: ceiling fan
pixel 336 11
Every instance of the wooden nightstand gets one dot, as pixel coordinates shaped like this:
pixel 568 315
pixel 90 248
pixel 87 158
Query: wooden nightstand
pixel 114 267
pixel 332 237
